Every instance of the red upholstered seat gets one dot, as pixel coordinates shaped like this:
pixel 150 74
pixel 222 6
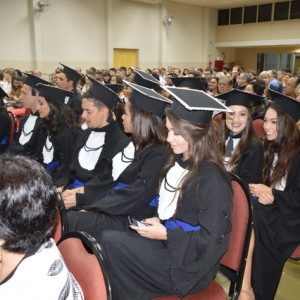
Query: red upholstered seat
pixel 296 253
pixel 213 292
pixel 84 258
pixel 12 129
pixel 258 127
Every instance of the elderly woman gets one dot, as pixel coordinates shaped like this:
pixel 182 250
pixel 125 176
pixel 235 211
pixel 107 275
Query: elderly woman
pixel 31 266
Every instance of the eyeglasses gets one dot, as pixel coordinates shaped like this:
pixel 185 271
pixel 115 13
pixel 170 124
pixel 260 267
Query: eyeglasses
pixel 223 83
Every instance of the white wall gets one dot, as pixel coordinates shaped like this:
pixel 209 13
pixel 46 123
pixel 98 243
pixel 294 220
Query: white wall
pixel 84 33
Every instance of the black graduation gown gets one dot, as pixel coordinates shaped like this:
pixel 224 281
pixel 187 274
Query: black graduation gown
pixel 187 261
pixel 115 140
pixel 34 146
pixel 250 165
pixel 4 128
pixel 277 234
pixel 111 210
pixel 74 102
pixel 63 144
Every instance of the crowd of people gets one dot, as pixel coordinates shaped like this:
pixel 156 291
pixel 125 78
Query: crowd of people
pixel 155 146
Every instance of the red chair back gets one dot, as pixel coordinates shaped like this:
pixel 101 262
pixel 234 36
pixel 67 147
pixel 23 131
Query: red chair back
pixel 258 127
pixel 240 213
pixel 84 258
pixel 218 118
pixel 12 129
pixel 296 253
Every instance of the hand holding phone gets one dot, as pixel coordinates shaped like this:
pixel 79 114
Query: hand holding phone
pixel 135 222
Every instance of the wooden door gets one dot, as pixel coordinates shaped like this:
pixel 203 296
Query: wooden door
pixel 126 57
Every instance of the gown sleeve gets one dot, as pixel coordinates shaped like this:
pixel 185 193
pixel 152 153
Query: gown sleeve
pixel 288 201
pixel 250 165
pixel 64 144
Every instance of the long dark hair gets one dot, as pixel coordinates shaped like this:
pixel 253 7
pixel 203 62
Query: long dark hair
pixel 248 135
pixel 60 115
pixel 286 146
pixel 203 145
pixel 147 128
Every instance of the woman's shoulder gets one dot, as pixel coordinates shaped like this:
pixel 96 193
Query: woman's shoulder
pixel 154 150
pixel 210 169
pixel 254 143
pixel 158 148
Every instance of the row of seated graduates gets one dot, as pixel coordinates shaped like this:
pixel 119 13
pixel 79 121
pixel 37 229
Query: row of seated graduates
pixel 61 176
pixel 231 98
pixel 46 92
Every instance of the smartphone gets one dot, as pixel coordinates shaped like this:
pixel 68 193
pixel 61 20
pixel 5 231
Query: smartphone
pixel 135 222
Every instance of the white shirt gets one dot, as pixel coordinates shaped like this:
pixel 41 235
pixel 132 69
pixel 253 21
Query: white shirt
pixel 169 191
pixel 42 276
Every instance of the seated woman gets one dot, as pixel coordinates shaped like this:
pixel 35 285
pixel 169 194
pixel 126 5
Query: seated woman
pixel 243 152
pixel 277 211
pixel 61 129
pixel 179 252
pixel 213 87
pixel 133 182
pixel 97 145
pixel 31 266
pixel 5 123
pixel 16 89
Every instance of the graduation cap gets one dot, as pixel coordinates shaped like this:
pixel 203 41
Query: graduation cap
pixel 33 80
pixel 147 99
pixel 237 97
pixel 194 105
pixel 52 93
pixel 3 94
pixel 71 73
pixel 103 93
pixel 144 79
pixel 189 82
pixel 117 88
pixel 286 104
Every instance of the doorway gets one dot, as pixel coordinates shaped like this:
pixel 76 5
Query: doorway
pixel 126 57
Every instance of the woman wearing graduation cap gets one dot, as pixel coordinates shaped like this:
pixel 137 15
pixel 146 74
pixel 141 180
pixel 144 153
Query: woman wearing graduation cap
pixel 59 124
pixel 178 252
pixel 5 122
pixel 243 152
pixel 131 186
pixel 97 145
pixel 277 211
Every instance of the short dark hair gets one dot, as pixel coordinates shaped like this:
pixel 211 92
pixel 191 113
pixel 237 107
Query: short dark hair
pixel 28 204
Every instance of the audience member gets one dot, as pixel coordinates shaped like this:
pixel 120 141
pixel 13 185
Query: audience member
pixel 31 266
